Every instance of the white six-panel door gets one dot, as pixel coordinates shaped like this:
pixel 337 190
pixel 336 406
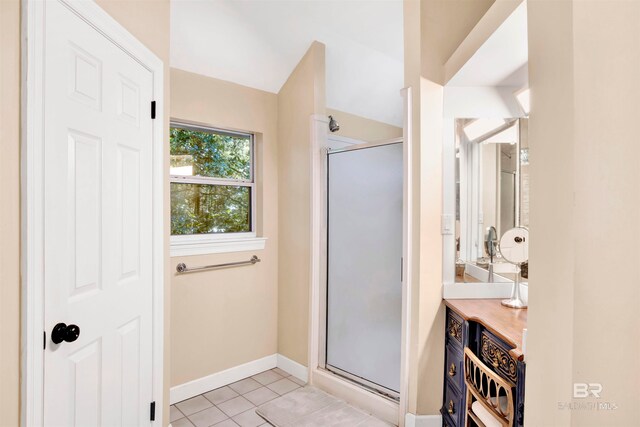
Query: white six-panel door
pixel 97 227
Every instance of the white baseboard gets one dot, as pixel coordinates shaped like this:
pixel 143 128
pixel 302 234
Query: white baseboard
pixel 412 420
pixel 294 368
pixel 231 375
pixel 220 379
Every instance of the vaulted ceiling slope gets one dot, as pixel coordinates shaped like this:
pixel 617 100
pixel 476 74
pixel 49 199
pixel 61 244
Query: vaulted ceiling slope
pixel 258 43
pixel 503 58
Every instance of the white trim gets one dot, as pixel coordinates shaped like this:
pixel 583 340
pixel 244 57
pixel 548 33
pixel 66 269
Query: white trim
pixel 211 244
pixel 482 290
pixel 365 145
pixel 449 199
pixel 220 379
pixel 407 255
pixel 158 241
pixel 412 420
pixel 482 274
pixel 320 142
pixel 201 127
pixel 340 138
pixel 32 262
pixel 32 360
pixel 294 368
pixel 318 129
pixel 205 180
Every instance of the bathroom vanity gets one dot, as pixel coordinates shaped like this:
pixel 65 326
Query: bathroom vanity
pixel 494 333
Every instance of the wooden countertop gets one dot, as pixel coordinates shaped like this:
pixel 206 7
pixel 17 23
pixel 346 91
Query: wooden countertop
pixel 504 322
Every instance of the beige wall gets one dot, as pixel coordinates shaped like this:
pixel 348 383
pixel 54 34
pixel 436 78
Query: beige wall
pixel 430 310
pixel 607 206
pixel 583 314
pixel 426 352
pixel 301 96
pixel 445 24
pixel 357 127
pixel 551 127
pixel 412 80
pixel 9 212
pixel 432 31
pixel 223 318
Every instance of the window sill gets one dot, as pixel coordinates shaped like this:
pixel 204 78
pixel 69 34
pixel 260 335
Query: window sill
pixel 203 245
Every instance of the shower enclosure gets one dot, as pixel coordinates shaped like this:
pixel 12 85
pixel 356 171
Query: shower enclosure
pixel 364 264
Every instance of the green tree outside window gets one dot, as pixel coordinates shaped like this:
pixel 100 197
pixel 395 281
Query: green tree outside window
pixel 211 181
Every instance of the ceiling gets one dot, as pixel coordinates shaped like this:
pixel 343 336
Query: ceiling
pixel 503 59
pixel 258 43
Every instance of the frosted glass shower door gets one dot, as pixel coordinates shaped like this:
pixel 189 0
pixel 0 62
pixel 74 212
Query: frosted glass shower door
pixel 364 293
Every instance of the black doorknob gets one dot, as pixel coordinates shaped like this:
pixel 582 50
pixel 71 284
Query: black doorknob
pixel 62 332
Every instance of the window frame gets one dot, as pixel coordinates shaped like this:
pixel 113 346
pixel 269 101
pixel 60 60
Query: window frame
pixel 198 244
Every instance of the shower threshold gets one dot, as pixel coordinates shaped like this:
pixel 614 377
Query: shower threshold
pixel 366 384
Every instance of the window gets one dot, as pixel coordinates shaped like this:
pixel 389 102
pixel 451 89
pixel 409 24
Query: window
pixel 212 190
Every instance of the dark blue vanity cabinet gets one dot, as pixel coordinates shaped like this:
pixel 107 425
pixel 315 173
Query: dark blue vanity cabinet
pixel 492 332
pixel 454 394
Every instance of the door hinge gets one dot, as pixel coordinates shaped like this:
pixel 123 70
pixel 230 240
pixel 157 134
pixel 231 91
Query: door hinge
pixel 153 109
pixel 152 411
pixel 44 340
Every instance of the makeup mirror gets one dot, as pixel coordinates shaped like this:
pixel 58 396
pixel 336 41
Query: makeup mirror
pixel 514 248
pixel 514 245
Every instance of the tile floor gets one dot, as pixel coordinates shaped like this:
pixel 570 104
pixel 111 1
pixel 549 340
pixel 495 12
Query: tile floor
pixel 234 405
pixel 310 407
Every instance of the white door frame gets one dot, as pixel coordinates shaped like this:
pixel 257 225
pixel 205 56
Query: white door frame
pixel 344 139
pixel 32 193
pixel 378 405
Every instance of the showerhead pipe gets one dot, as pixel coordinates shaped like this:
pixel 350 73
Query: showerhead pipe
pixel 333 125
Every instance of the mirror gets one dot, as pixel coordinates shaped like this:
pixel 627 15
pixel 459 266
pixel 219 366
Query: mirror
pixel 492 195
pixel 514 248
pixel 514 245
